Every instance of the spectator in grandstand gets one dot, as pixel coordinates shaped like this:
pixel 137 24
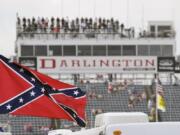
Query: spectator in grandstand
pixel 34 25
pixel 86 24
pixel 90 23
pixel 44 129
pixel 39 24
pixel 43 25
pixel 176 80
pixel 28 25
pixel 92 95
pixel 18 21
pixel 122 29
pixel 66 26
pixel 82 25
pixel 116 30
pixel 96 111
pixel 109 28
pixel 110 88
pixel 28 127
pixel 93 111
pixel 112 24
pixel 125 83
pixel 57 27
pixel 87 85
pixel 81 81
pixel 72 26
pixel 152 115
pixel 52 24
pixel 24 24
pixel 151 103
pixel 62 23
pixel 143 95
pixel 77 25
pixel 100 24
pixel 130 103
pixel 99 77
pixel 1 129
pixel 19 28
pixel 132 32
pixel 46 22
pixel 144 34
pixel 128 32
pixel 95 25
pixel 104 25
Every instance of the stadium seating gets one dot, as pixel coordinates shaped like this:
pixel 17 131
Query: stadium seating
pixel 99 101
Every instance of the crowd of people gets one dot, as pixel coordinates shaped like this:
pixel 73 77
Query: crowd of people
pixel 78 25
pixel 118 86
pixel 96 111
pixel 89 26
pixel 135 97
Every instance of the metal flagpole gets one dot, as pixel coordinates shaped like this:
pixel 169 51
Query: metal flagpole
pixel 62 4
pixel 94 9
pixel 156 90
pixel 127 11
pixel 142 19
pixel 79 8
pixel 111 8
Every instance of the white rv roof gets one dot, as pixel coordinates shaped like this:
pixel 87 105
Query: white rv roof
pixel 120 117
pixel 121 114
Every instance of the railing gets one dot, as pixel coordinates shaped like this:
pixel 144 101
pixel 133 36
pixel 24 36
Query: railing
pixel 47 33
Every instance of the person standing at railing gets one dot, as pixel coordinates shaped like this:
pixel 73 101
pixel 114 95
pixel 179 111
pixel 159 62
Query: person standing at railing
pixel 77 25
pixel 24 24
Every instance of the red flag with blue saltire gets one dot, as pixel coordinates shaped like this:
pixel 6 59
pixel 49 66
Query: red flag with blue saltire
pixel 28 92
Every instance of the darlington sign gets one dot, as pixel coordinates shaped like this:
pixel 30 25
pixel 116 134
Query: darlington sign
pixel 97 64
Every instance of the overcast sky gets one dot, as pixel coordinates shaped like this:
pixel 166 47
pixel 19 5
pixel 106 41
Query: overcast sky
pixel 131 12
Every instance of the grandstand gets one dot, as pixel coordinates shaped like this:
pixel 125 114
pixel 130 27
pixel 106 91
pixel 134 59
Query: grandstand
pixel 109 102
pixel 113 63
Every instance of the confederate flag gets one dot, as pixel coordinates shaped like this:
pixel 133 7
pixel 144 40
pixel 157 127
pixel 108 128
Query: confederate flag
pixel 28 92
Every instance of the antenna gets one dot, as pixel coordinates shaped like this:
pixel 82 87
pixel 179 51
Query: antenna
pixel 79 7
pixel 110 8
pixel 127 17
pixel 57 7
pixel 62 5
pixel 94 9
pixel 142 17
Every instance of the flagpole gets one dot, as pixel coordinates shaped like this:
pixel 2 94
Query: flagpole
pixel 156 81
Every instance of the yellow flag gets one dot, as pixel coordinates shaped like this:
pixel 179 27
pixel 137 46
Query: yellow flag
pixel 161 104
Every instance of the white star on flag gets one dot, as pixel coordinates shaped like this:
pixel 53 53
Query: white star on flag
pixel 21 70
pixel 42 90
pixel 21 100
pixel 76 92
pixel 32 93
pixel 8 107
pixel 10 61
pixel 74 115
pixel 32 79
